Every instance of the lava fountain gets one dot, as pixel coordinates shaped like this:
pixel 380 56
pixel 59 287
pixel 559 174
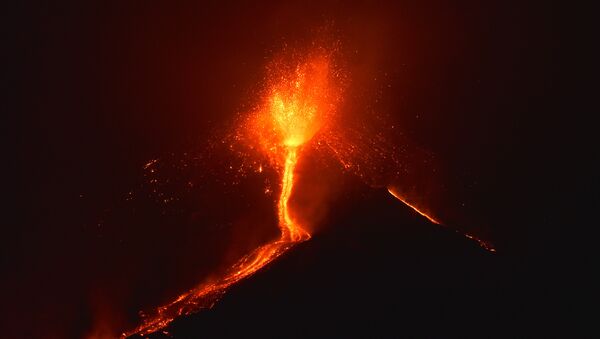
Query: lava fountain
pixel 300 97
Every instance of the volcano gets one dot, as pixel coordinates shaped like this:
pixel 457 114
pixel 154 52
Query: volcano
pixel 128 188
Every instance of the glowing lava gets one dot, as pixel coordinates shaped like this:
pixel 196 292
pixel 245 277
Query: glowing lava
pixel 428 217
pixel 289 229
pixel 297 104
pixel 482 243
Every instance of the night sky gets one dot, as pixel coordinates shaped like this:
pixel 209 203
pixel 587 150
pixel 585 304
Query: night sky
pixel 96 91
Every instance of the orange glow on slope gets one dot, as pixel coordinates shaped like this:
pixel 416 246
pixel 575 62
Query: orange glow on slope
pixel 397 196
pixel 295 108
pixel 483 244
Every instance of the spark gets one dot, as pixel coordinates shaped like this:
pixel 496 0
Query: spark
pixel 150 163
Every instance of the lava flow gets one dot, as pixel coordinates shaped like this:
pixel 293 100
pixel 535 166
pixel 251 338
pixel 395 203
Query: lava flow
pixel 299 99
pixel 482 243
pixel 425 215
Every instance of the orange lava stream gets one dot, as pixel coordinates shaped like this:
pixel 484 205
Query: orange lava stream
pixel 483 244
pixel 289 229
pixel 428 217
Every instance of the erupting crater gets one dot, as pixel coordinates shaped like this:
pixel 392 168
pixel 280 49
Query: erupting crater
pixel 299 100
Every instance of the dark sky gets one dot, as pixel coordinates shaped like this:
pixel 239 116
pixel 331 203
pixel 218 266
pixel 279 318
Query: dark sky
pixel 98 90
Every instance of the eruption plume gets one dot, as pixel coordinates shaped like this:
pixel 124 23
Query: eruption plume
pixel 299 99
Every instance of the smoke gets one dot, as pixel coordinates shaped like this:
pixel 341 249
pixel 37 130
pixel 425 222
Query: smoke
pixel 319 185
